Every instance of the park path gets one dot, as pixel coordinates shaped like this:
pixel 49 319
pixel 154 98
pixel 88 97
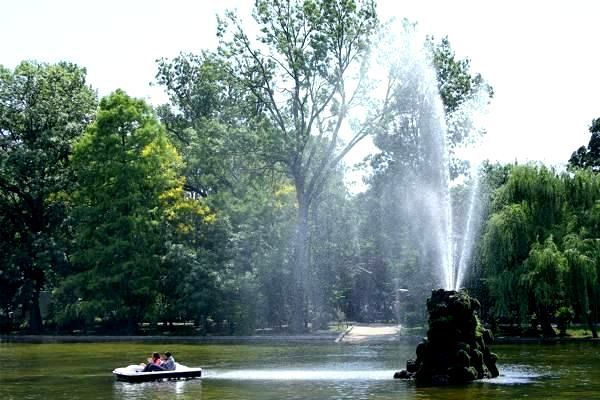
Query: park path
pixel 370 333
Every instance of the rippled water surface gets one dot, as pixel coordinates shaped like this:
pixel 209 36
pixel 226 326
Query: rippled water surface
pixel 288 371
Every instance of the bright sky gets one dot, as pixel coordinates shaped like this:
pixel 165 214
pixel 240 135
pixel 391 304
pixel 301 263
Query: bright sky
pixel 541 57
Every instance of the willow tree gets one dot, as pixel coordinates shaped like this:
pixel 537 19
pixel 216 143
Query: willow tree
pixel 542 280
pixel 506 244
pixel 306 69
pixel 582 278
pixel 527 221
pixel 581 246
pixel 549 256
pixel 543 193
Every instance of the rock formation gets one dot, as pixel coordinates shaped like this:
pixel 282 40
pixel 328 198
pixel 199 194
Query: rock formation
pixel 456 349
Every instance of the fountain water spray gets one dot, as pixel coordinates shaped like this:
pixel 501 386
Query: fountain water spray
pixel 469 234
pixel 422 126
pixel 453 253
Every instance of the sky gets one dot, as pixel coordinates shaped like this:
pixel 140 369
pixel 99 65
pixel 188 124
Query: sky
pixel 541 57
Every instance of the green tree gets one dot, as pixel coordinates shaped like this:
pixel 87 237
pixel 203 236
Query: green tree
pixel 129 189
pixel 43 109
pixel 214 123
pixel 540 249
pixel 542 279
pixel 410 144
pixel 300 71
pixel 581 278
pixel 506 245
pixel 520 244
pixel 588 157
pixel 223 136
pixel 456 82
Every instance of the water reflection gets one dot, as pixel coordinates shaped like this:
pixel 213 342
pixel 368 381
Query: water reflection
pixel 158 390
pixel 515 375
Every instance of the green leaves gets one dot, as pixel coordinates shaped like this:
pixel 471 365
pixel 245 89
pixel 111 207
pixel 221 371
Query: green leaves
pixel 543 273
pixel 455 81
pixel 588 157
pixel 508 238
pixel 129 192
pixel 542 241
pixel 43 109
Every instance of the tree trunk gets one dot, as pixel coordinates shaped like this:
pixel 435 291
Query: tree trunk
pixel 35 316
pixel 300 274
pixel 591 324
pixel 35 274
pixel 545 324
pixel 132 325
pixel 7 324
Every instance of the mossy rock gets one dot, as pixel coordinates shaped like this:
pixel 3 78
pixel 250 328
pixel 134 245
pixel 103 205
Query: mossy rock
pixel 493 369
pixel 421 350
pixel 460 374
pixel 488 336
pixel 470 374
pixel 463 359
pixel 412 366
pixel 464 346
pixel 456 349
pixel 490 359
pixel 402 374
pixel 440 380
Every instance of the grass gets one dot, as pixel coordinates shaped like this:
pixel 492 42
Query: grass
pixel 578 332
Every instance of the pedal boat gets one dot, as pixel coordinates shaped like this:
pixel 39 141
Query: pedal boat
pixel 134 374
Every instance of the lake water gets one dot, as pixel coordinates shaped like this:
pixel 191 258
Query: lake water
pixel 288 371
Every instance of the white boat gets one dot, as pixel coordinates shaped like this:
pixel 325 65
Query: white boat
pixel 133 373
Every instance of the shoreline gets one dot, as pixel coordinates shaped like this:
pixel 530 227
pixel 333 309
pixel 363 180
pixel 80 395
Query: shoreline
pixel 308 338
pixel 549 340
pixel 163 339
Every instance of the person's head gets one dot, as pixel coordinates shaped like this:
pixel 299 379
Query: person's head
pixel 167 354
pixel 155 356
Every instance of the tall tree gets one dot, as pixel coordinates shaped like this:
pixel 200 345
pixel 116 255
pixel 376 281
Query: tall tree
pixel 540 249
pixel 128 188
pixel 455 80
pixel 589 157
pixel 305 70
pixel 214 123
pixel 581 278
pixel 519 245
pixel 43 109
pixel 223 136
pixel 542 279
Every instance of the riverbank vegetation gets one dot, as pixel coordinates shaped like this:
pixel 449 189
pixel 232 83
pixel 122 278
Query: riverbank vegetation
pixel 226 210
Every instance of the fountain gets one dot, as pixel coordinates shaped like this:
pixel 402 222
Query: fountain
pixel 422 126
pixel 456 349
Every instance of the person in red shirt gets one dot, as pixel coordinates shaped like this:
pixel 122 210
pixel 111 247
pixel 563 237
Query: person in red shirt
pixel 154 364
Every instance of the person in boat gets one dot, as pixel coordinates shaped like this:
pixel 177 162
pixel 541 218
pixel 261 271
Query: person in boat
pixel 168 362
pixel 154 364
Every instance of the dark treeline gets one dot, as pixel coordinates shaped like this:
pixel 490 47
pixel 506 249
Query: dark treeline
pixel 225 210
